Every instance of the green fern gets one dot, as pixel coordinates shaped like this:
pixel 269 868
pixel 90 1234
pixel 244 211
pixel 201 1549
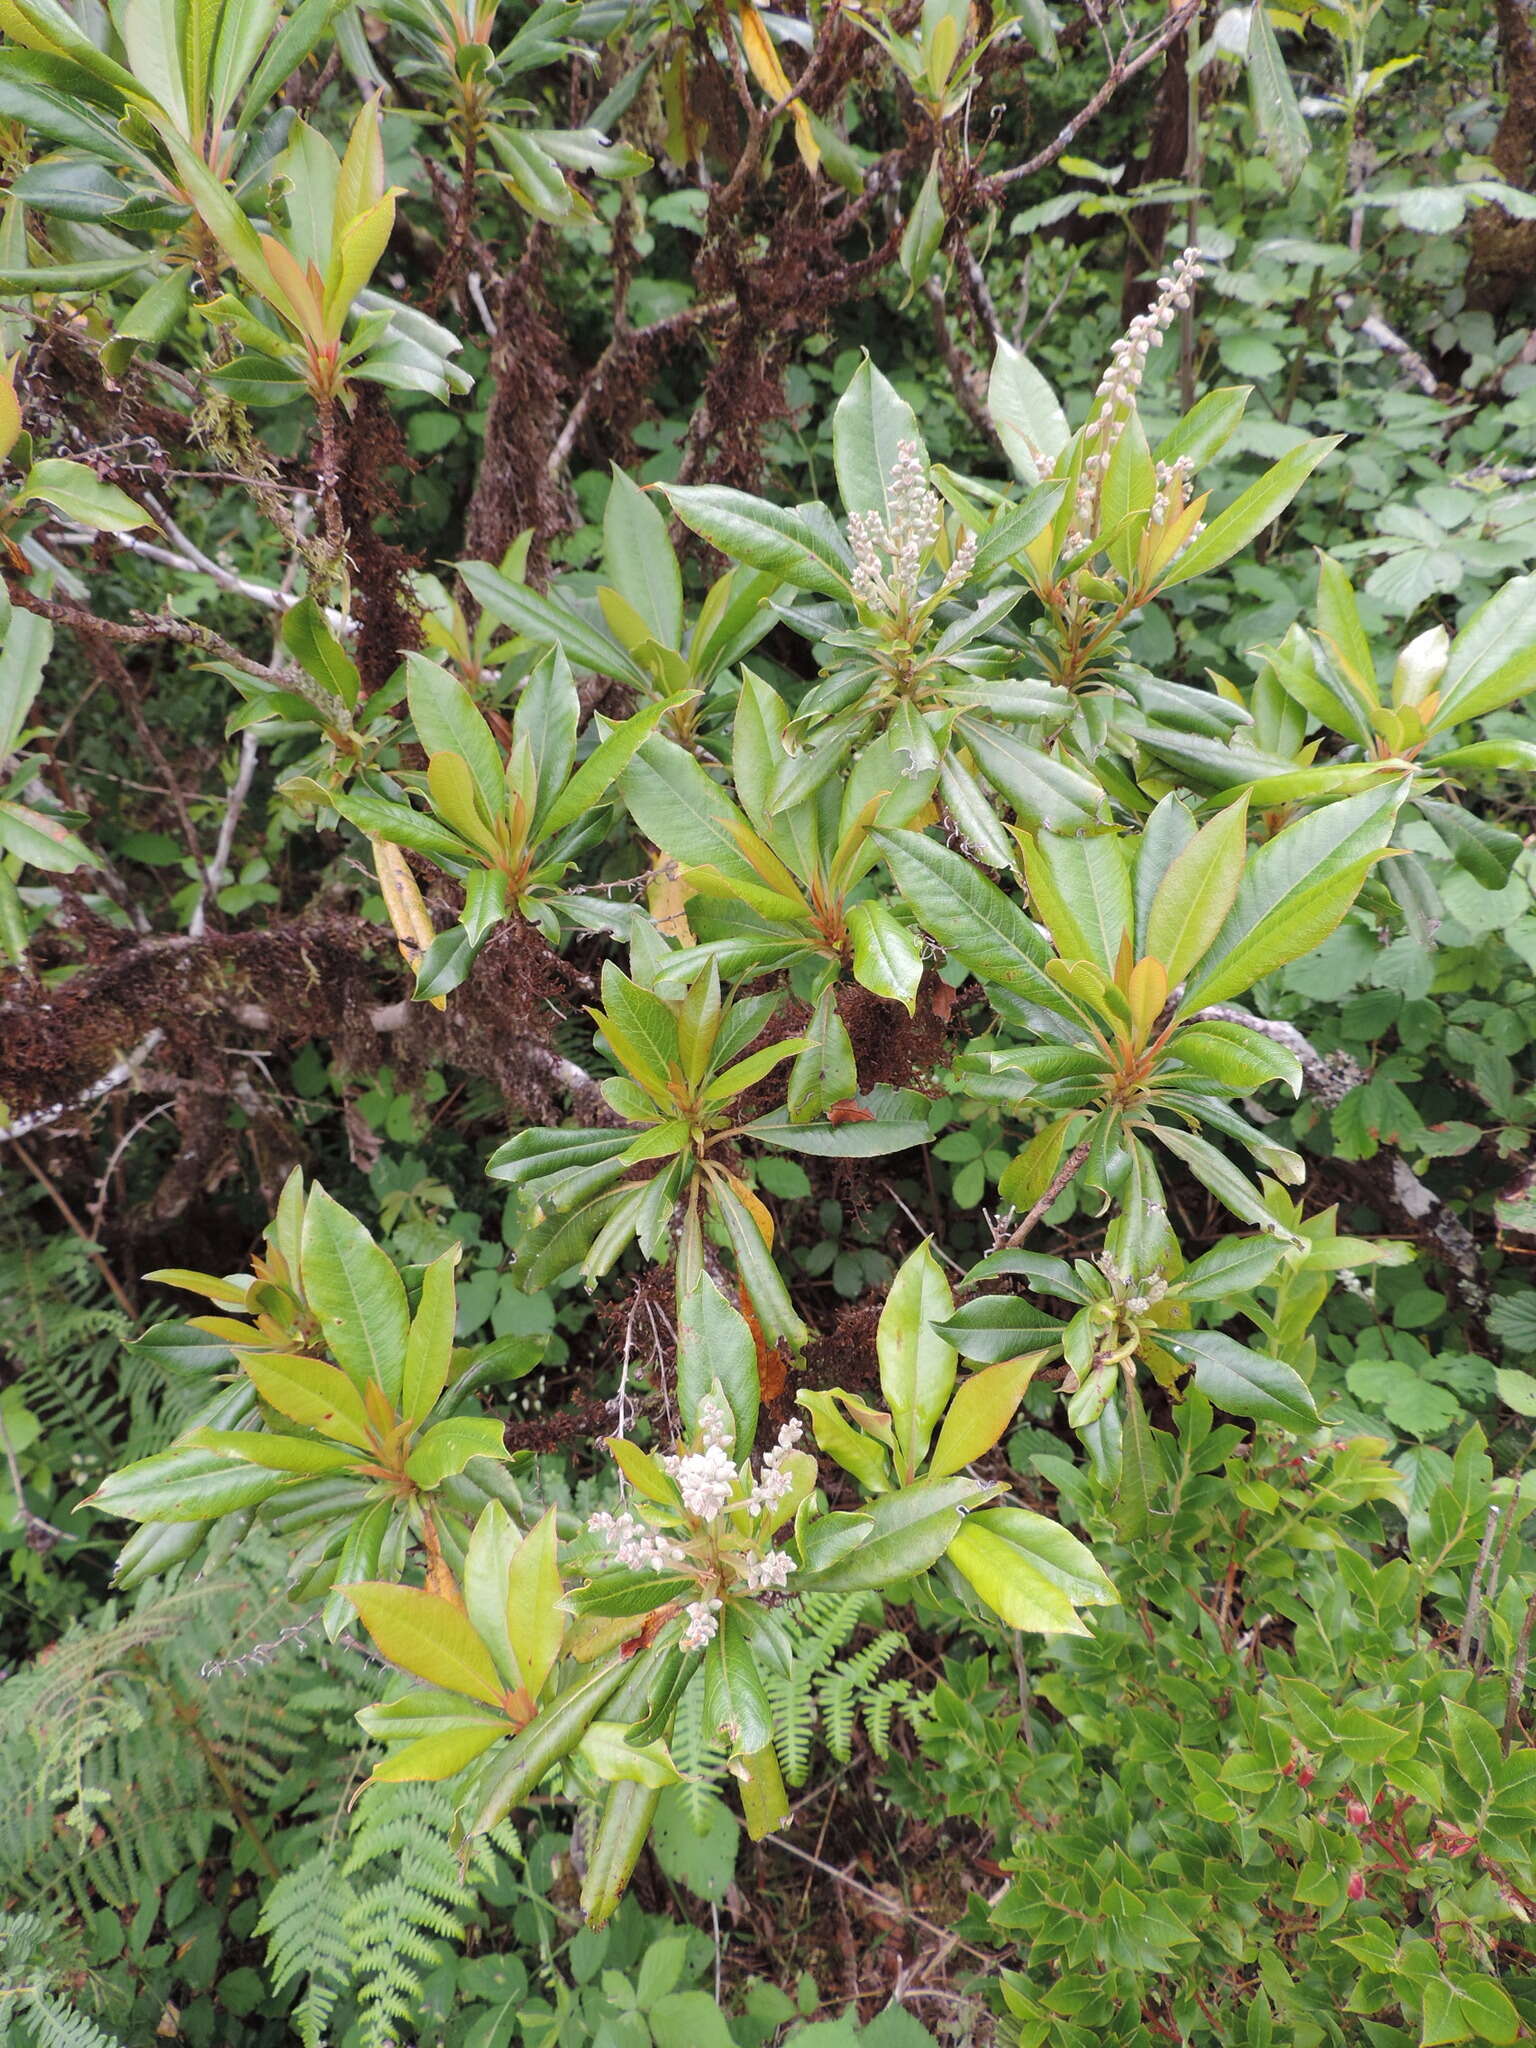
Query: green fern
pixel 120 1763
pixel 829 1688
pixel 32 2011
pixel 395 1926
pixel 306 1918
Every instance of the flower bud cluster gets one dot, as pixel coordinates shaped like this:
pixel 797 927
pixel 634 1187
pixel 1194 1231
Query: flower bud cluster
pixel 906 538
pixel 1122 379
pixel 720 1533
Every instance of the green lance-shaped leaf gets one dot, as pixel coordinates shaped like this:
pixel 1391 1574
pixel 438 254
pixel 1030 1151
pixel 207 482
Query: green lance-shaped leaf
pixel 629 1810
pixel 311 1393
pixel 1243 1381
pixel 736 1705
pixel 430 1637
pixel 429 1346
pixel 714 1343
pixel 77 492
pixel 1081 888
pixel 446 722
pixel 1196 893
pixel 547 1739
pixel 534 1623
pixel 982 1408
pixel 764 536
pixel 353 1287
pixel 639 560
pixel 917 1367
pixel 1249 513
pixel 869 425
pixel 1295 890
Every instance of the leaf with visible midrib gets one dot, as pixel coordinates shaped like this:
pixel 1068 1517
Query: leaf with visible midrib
pixel 353 1287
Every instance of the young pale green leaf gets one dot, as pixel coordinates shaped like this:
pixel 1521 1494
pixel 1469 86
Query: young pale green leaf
pixel 982 1408
pixel 912 1529
pixel 603 767
pixel 736 1705
pixel 857 1452
pixel 924 229
pixel 1493 658
pixel 1248 515
pixel 869 425
pixel 79 493
pixel 442 1755
pixel 535 1625
pixel 549 623
pixel 825 1072
pixel 1026 413
pixel 1082 891
pixel 447 1447
pixel 40 841
pixel 714 1343
pixel 429 1345
pixel 887 959
pixel 447 722
pixel 428 1636
pixel 300 1455
pixel 1054 1552
pixel 1338 621
pixel 319 653
pixel 185 1485
pixel 1207 427
pixel 1294 891
pixel 1196 893
pixel 1276 111
pixel 1005 1579
pixel 639 560
pixel 353 1288
pixel 688 815
pixel 313 1394
pixel 487 1568
pixel 917 1367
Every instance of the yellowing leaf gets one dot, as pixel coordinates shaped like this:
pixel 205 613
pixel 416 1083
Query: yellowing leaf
pixel 429 1347
pixel 310 1392
pixel 355 258
pixel 10 413
pixel 1011 1587
pixel 407 912
pixel 981 1410
pixel 429 1637
pixel 437 1756
pixel 535 1623
pixel 763 61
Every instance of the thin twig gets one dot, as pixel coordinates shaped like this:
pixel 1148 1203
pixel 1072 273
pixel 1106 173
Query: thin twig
pixel 1059 1180
pixel 35 1119
pixel 1475 1589
pixel 1517 1671
pixel 234 805
pixel 885 1904
pixel 1125 67
pixel 50 1188
pixel 159 627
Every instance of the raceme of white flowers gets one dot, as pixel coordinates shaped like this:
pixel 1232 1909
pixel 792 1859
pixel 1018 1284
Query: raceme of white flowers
pixel 712 1537
pixel 906 537
pixel 1119 385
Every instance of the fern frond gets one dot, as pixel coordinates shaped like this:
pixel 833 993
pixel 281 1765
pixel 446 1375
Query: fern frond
pixel 305 1918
